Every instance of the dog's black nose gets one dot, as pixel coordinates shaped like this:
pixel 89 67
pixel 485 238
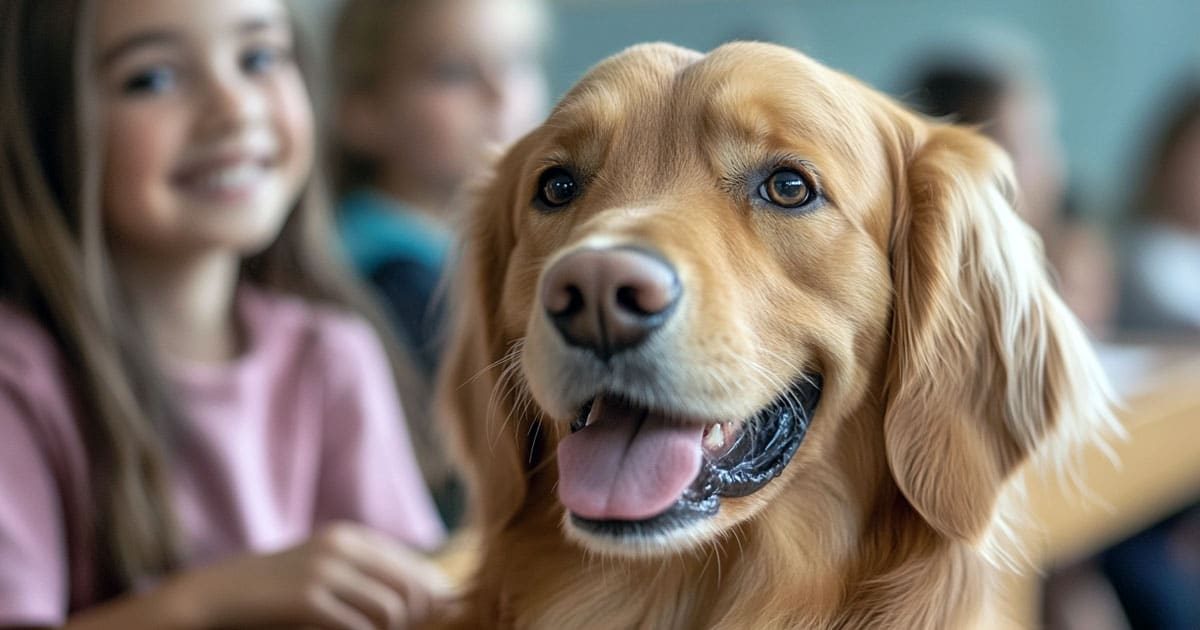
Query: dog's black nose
pixel 609 300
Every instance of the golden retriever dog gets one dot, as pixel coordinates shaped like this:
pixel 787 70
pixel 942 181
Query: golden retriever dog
pixel 745 344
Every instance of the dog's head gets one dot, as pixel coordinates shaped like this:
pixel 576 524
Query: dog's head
pixel 710 285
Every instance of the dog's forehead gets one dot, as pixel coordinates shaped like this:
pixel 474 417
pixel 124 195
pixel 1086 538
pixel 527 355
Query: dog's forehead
pixel 747 84
pixel 748 95
pixel 751 86
pixel 741 69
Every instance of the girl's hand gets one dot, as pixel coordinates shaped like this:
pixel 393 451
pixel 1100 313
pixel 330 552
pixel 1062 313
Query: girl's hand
pixel 347 577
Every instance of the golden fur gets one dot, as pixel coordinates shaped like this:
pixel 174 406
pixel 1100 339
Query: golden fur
pixel 948 360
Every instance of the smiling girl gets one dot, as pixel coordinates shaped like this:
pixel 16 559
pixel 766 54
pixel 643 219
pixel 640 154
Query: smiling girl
pixel 190 417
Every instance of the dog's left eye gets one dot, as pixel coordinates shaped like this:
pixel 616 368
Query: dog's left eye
pixel 557 187
pixel 786 188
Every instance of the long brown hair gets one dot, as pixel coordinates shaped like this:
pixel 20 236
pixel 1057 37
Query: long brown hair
pixel 57 270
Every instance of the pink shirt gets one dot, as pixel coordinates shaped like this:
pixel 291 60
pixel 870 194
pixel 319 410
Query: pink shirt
pixel 304 429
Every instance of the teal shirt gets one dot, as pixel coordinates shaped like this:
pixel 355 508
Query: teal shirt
pixel 402 256
pixel 376 229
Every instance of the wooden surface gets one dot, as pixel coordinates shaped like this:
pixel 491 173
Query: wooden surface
pixel 1158 473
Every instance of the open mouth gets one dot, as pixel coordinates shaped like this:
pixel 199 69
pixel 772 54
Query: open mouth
pixel 627 470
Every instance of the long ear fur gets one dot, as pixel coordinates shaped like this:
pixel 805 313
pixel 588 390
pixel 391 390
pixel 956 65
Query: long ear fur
pixel 986 362
pixel 475 393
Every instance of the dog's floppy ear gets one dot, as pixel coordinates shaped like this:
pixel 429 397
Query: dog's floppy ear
pixel 985 361
pixel 489 447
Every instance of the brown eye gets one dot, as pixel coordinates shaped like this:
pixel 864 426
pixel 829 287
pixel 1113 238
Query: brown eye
pixel 556 188
pixel 786 188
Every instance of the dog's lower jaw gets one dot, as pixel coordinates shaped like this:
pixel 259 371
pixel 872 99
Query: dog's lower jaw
pixel 684 539
pixel 863 584
pixel 845 573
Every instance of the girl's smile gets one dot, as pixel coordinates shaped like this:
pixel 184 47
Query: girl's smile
pixel 228 177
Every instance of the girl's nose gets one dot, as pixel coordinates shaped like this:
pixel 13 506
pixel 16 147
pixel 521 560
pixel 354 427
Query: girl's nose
pixel 232 102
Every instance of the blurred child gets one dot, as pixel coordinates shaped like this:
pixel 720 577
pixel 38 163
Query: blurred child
pixel 1161 267
pixel 189 414
pixel 424 88
pixel 1004 97
pixel 1156 572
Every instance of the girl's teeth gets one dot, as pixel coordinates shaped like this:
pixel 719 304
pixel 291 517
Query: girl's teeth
pixel 231 178
pixel 714 437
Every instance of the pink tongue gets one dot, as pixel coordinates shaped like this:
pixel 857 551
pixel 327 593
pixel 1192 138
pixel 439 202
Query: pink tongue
pixel 622 466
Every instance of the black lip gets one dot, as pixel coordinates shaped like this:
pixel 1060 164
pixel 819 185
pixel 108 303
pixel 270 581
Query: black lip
pixel 763 449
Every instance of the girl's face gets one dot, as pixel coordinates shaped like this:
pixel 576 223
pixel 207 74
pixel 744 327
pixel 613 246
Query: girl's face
pixel 458 75
pixel 208 128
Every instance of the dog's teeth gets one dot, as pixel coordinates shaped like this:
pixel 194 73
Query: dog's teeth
pixel 714 437
pixel 589 412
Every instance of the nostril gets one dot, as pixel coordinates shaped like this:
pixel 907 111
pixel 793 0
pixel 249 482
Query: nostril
pixel 568 302
pixel 627 299
pixel 651 294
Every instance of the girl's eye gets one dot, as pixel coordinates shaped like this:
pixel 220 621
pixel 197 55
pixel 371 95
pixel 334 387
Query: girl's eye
pixel 151 81
pixel 260 60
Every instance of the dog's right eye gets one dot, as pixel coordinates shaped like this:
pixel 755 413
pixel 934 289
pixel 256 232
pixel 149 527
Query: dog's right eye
pixel 786 188
pixel 556 188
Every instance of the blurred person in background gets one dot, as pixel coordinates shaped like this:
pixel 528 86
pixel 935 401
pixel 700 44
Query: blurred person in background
pixel 1160 270
pixel 424 89
pixel 1156 572
pixel 999 93
pixel 191 411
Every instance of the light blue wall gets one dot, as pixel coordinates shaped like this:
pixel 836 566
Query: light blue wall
pixel 1108 62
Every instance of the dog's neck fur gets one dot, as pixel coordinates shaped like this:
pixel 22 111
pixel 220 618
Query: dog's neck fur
pixel 825 574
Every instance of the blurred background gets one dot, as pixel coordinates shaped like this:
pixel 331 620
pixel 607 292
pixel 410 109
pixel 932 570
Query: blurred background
pixel 1098 102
